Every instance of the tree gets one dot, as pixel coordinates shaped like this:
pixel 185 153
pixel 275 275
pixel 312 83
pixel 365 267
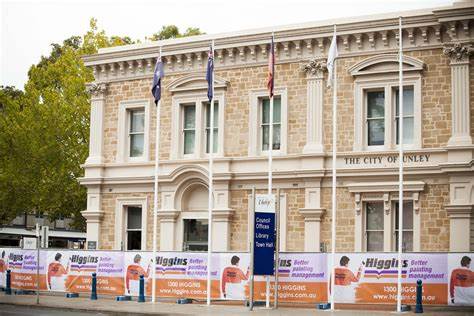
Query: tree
pixel 44 132
pixel 172 31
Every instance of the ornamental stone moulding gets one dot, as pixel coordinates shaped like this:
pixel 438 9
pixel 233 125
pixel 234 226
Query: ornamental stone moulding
pixel 96 89
pixel 314 68
pixel 458 52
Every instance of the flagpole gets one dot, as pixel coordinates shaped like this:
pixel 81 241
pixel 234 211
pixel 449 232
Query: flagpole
pixel 334 137
pixel 155 196
pixel 400 158
pixel 210 198
pixel 270 161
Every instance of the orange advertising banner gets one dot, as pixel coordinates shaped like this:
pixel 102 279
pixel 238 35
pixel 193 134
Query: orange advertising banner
pixel 366 278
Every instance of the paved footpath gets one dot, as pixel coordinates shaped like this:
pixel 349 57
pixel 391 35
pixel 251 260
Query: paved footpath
pixel 108 305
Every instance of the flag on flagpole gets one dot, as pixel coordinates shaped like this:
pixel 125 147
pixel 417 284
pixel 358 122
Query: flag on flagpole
pixel 157 76
pixel 271 69
pixel 210 73
pixel 332 55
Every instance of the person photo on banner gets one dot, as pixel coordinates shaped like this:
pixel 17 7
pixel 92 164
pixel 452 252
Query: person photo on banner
pixel 57 274
pixel 461 284
pixel 132 277
pixel 3 270
pixel 233 280
pixel 344 279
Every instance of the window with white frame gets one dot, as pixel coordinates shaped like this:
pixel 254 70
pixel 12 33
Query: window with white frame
pixel 265 123
pixel 376 100
pixel 189 128
pixel 134 228
pixel 374 226
pixel 190 134
pixel 259 122
pixel 136 132
pixel 407 238
pixel 382 107
pixel 133 131
pixel 215 127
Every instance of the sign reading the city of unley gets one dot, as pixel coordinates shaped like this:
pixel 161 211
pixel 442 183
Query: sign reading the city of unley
pixel 264 234
pixel 386 160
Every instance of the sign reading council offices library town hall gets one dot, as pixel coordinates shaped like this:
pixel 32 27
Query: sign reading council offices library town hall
pixel 373 160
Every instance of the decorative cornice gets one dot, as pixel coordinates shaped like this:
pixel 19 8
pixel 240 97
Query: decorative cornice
pixel 357 36
pixel 93 216
pixel 314 68
pixel 458 52
pixel 459 211
pixel 413 186
pixel 312 214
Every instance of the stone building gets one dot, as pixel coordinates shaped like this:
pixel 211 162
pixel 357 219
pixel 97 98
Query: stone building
pixel 438 115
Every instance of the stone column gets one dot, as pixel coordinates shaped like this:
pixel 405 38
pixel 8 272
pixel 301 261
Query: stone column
pixel 98 92
pixel 314 119
pixel 312 213
pixel 459 227
pixel 221 217
pixel 459 55
pixel 167 229
pixel 460 212
pixel 93 215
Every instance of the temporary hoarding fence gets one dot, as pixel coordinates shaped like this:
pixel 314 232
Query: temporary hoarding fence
pixel 366 278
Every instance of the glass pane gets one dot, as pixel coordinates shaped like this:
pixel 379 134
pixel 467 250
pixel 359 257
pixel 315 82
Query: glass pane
pixel 408 129
pixel 188 142
pixel 408 101
pixel 375 104
pixel 195 229
pixel 375 132
pixel 189 116
pixel 407 215
pixel 407 242
pixel 134 240
pixel 265 136
pixel 137 121
pixel 216 114
pixel 136 145
pixel 134 217
pixel 276 110
pixel 374 241
pixel 215 141
pixel 276 137
pixel 265 111
pixel 374 218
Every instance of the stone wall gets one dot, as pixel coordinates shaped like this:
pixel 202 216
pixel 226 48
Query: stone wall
pixel 107 224
pixel 434 219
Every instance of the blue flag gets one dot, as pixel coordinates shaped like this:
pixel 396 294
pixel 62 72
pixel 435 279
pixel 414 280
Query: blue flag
pixel 210 74
pixel 157 76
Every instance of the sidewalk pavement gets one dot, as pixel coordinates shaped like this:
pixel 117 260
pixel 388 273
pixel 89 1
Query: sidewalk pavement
pixel 108 304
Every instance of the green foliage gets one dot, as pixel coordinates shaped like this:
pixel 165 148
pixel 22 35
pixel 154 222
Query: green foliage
pixel 44 131
pixel 172 31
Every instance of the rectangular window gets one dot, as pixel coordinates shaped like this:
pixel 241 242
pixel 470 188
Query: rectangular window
pixel 134 228
pixel 189 128
pixel 407 242
pixel 375 118
pixel 374 226
pixel 195 234
pixel 208 127
pixel 136 132
pixel 408 115
pixel 265 123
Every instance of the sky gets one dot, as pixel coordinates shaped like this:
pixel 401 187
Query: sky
pixel 27 28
